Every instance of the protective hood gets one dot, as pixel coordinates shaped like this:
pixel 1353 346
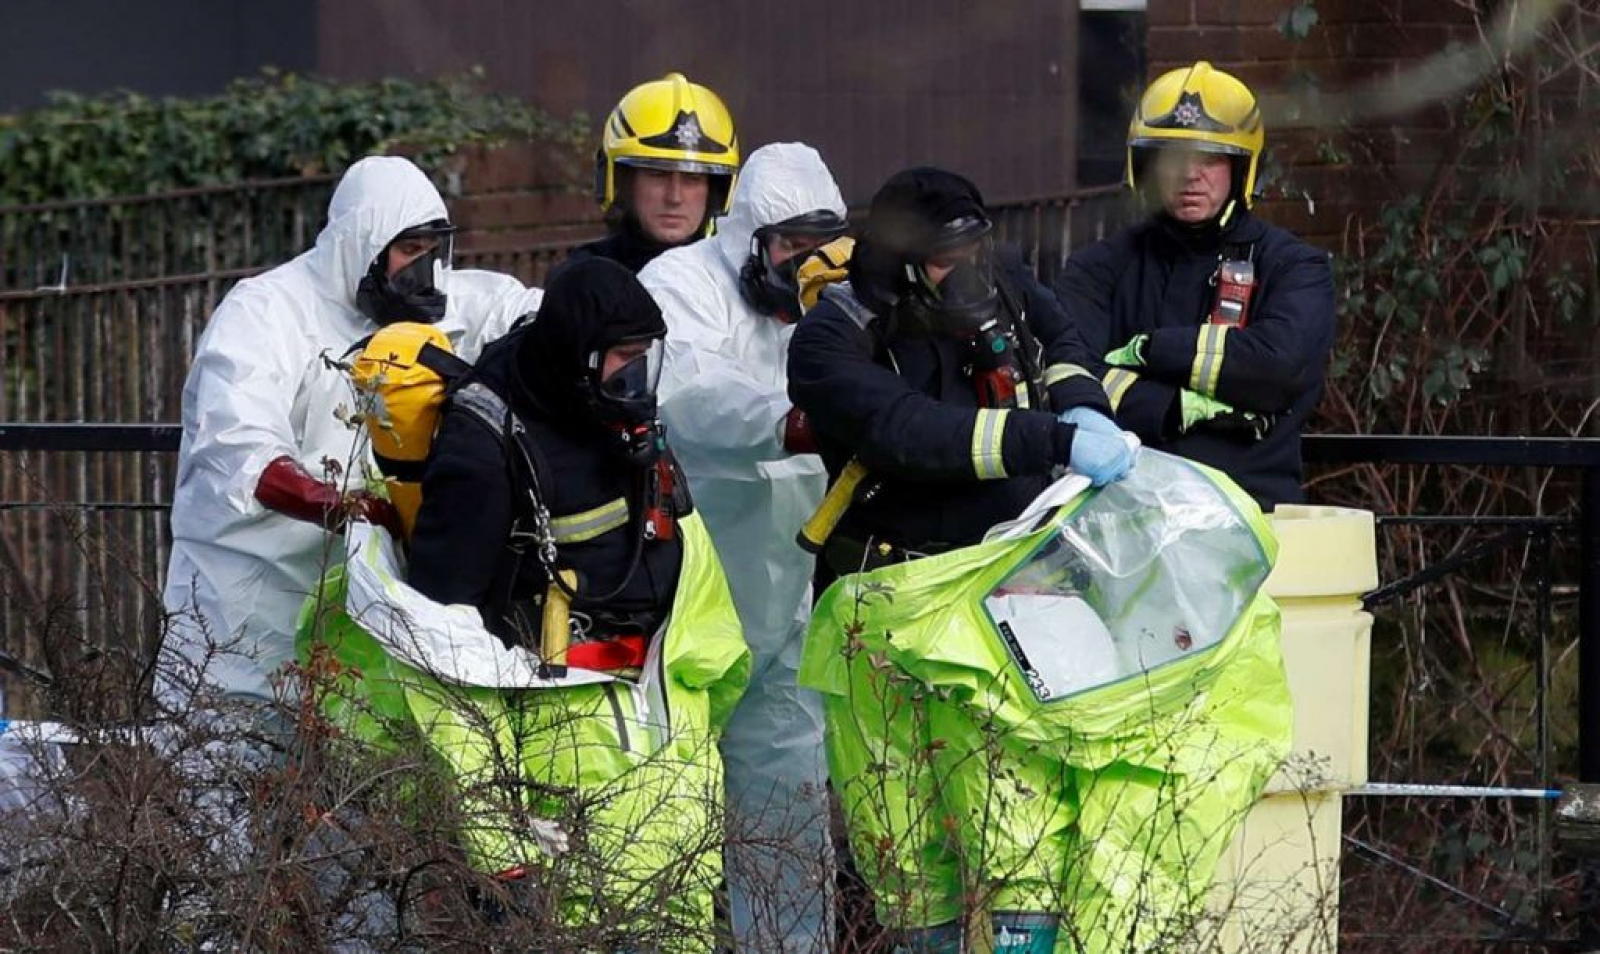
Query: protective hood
pixel 591 306
pixel 779 181
pixel 907 212
pixel 378 198
pixel 904 225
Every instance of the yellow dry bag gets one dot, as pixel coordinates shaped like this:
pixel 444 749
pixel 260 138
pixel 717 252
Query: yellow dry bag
pixel 408 368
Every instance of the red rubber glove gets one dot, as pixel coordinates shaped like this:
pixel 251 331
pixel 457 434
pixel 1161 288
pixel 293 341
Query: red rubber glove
pixel 797 435
pixel 286 487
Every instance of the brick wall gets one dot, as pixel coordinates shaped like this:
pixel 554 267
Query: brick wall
pixel 987 88
pixel 1330 176
pixel 521 206
pixel 1338 174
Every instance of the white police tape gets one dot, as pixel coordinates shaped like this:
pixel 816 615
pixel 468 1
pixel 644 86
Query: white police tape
pixel 1406 790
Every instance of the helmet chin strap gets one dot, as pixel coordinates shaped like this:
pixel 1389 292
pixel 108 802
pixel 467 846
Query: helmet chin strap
pixel 1227 213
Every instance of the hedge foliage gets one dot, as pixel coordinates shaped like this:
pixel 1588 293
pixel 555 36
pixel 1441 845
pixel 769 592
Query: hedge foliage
pixel 268 126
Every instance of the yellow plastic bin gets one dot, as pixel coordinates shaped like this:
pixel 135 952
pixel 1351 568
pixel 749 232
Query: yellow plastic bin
pixel 1278 886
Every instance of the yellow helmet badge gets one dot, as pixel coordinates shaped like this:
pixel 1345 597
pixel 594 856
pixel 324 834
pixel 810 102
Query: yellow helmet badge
pixel 1190 113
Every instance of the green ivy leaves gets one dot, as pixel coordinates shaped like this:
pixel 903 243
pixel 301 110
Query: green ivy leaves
pixel 270 126
pixel 1503 262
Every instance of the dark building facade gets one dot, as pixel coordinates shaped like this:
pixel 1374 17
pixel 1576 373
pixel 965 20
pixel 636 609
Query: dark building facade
pixel 153 47
pixel 981 87
pixel 993 90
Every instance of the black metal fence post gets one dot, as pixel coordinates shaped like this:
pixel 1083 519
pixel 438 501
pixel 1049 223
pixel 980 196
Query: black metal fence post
pixel 1589 682
pixel 1589 627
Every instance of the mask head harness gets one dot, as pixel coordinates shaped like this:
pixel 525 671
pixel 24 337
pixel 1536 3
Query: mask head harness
pixel 411 293
pixel 775 289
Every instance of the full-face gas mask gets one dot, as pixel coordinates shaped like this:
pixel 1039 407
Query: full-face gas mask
pixel 624 402
pixel 413 292
pixel 774 289
pixel 966 297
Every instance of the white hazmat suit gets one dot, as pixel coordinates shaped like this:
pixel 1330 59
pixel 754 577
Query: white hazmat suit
pixel 259 389
pixel 724 395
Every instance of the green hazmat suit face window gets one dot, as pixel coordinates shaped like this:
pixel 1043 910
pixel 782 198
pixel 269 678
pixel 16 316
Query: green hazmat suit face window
pixel 1129 583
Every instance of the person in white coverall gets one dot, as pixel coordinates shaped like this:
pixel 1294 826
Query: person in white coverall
pixel 729 303
pixel 255 501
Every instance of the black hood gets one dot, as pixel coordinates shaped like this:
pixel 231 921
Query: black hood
pixel 903 226
pixel 1211 235
pixel 634 249
pixel 627 245
pixel 591 305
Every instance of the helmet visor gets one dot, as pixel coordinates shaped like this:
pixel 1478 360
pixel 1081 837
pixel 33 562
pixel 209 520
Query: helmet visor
pixel 1189 145
pixel 677 165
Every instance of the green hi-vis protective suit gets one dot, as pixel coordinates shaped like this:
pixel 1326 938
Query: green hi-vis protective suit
pixel 1067 719
pixel 629 769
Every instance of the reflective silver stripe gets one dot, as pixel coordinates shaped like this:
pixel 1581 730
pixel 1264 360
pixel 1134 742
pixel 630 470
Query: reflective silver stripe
pixel 484 404
pixel 1214 373
pixel 1208 348
pixel 988 442
pixel 842 295
pixel 1057 373
pixel 1117 382
pixel 1197 364
pixel 579 527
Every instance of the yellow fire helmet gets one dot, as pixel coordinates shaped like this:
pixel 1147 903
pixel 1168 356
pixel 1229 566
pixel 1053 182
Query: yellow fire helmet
pixel 1204 109
pixel 672 124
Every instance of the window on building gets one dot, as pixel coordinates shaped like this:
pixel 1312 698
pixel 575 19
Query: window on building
pixel 1111 66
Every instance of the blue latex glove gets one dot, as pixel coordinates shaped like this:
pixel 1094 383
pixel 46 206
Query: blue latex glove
pixel 1088 419
pixel 1102 458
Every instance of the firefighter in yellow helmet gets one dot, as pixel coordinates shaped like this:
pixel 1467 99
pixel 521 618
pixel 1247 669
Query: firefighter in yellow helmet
pixel 1215 326
pixel 665 167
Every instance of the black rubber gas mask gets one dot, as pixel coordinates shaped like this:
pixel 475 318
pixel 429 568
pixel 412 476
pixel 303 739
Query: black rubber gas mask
pixel 775 289
pixel 962 301
pixel 412 293
pixel 625 403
